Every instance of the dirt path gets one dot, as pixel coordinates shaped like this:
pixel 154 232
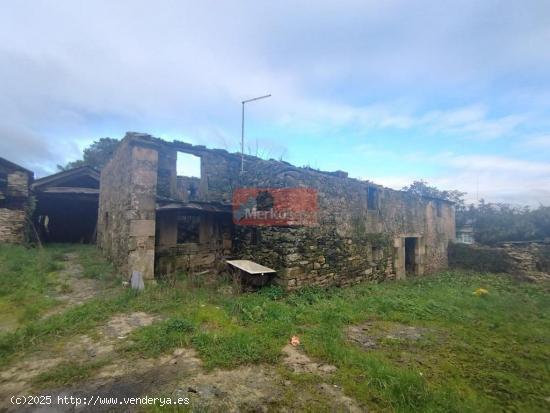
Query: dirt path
pixel 98 346
pixel 247 388
pixel 73 288
pixel 178 374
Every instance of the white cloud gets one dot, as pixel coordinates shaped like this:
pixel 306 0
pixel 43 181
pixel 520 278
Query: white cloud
pixel 496 179
pixel 470 122
pixel 480 163
pixel 537 142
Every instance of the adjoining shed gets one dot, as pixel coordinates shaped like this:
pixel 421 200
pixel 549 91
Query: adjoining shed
pixel 14 201
pixel 67 204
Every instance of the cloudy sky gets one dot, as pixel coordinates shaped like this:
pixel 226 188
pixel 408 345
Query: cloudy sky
pixel 456 93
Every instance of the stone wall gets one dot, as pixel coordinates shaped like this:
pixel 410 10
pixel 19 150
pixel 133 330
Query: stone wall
pixel 14 201
pixel 354 241
pixel 127 201
pixel 529 259
pixel 479 258
pixel 167 177
pixel 12 226
pixel 18 185
pixel 313 256
pixel 188 188
pixel 189 258
pixel 404 215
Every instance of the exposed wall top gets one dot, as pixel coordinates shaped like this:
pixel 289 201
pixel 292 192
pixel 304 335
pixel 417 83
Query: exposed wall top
pixel 201 150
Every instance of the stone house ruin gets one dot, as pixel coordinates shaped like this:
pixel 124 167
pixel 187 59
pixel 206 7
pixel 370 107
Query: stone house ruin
pixel 14 201
pixel 153 221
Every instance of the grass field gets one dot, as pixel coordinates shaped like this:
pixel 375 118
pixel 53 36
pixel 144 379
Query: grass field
pixel 486 352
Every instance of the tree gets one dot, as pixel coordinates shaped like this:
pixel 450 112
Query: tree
pixel 421 188
pixel 493 222
pixel 96 155
pixel 541 221
pixel 497 222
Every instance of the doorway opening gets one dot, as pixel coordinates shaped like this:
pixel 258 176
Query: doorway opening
pixel 410 255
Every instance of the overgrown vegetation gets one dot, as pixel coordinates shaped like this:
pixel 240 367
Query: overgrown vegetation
pixel 29 279
pixel 492 222
pixel 484 353
pixel 26 279
pixel 495 223
pixel 96 155
pixel 421 188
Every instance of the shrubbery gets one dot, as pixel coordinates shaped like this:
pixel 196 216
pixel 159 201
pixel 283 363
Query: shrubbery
pixel 493 222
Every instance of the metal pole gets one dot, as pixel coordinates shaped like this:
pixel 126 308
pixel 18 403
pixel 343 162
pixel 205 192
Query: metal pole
pixel 242 140
pixel 242 127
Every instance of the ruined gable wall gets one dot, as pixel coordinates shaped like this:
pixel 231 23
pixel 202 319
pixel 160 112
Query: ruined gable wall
pixel 127 199
pixel 13 203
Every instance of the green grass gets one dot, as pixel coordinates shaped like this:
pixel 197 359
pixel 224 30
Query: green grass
pixel 93 264
pixel 68 373
pixel 485 353
pixel 161 337
pixel 27 279
pixel 74 321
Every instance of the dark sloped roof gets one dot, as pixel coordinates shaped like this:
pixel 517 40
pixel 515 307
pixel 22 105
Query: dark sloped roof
pixel 14 166
pixel 214 207
pixel 57 179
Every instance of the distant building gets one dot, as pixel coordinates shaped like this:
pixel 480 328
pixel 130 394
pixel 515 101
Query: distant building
pixel 465 233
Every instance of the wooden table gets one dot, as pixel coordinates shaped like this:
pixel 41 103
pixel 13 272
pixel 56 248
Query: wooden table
pixel 251 274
